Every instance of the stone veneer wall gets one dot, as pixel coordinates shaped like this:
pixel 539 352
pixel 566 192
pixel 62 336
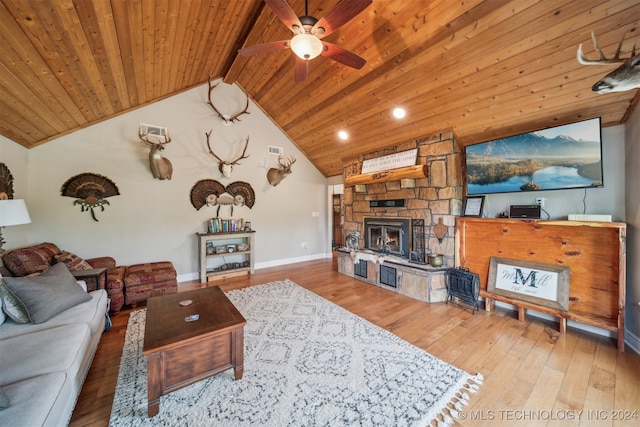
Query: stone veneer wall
pixel 437 196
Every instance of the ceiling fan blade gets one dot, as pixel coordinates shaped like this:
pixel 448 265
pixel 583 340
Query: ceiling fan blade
pixel 264 48
pixel 284 12
pixel 339 15
pixel 302 68
pixel 343 56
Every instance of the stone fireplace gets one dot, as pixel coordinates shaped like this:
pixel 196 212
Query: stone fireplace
pixel 439 195
pixel 429 199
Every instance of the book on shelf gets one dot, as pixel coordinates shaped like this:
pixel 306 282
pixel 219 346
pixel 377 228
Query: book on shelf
pixel 222 225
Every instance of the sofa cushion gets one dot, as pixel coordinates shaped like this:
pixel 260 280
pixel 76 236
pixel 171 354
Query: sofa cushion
pixel 11 305
pixel 72 261
pixel 2 315
pixel 31 354
pixel 47 295
pixel 90 312
pixel 30 260
pixel 102 262
pixel 4 400
pixel 33 401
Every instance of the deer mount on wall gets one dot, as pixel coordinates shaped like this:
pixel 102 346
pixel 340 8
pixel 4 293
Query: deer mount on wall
pixel 161 168
pixel 228 119
pixel 224 166
pixel 276 175
pixel 625 77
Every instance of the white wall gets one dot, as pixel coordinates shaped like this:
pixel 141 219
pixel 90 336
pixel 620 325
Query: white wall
pixel 14 156
pixel 153 220
pixel 632 196
pixel 609 200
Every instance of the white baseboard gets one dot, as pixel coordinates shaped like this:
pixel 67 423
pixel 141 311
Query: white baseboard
pixel 189 277
pixel 278 262
pixel 633 341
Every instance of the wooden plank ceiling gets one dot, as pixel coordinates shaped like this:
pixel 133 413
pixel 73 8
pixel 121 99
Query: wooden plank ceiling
pixel 482 68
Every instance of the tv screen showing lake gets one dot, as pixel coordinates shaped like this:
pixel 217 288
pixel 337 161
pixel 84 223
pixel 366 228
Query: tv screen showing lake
pixel 562 157
pixel 549 178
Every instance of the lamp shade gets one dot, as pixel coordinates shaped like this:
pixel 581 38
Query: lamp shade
pixel 13 212
pixel 306 46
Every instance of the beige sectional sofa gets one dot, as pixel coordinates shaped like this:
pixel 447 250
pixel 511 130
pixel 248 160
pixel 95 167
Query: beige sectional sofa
pixel 43 363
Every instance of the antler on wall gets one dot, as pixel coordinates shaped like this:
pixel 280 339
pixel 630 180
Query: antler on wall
pixel 225 117
pixel 161 168
pixel 225 167
pixel 625 77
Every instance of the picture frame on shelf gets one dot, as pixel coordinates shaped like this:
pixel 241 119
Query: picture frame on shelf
pixel 210 248
pixel 545 285
pixel 473 206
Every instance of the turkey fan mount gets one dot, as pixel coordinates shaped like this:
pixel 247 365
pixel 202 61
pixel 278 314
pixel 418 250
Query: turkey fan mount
pixel 90 191
pixel 210 192
pixel 6 183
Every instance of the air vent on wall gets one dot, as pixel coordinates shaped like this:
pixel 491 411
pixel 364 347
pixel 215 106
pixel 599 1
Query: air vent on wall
pixel 275 150
pixel 153 130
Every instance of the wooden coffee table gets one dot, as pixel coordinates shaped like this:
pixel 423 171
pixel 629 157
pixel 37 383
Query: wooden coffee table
pixel 180 353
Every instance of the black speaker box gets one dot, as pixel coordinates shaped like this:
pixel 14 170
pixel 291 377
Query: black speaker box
pixel 524 211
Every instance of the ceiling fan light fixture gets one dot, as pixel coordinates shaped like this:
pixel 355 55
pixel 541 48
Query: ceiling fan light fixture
pixel 306 46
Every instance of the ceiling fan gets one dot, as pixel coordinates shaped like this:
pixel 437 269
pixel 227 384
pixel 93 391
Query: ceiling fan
pixel 308 32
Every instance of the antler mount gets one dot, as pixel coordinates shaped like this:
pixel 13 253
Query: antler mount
pixel 225 117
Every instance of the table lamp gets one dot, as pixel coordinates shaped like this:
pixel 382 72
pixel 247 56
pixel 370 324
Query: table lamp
pixel 12 212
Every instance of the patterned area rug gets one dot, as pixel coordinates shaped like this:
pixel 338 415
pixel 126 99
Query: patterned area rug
pixel 308 362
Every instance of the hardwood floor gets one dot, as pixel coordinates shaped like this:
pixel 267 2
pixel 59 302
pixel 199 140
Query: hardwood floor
pixel 533 375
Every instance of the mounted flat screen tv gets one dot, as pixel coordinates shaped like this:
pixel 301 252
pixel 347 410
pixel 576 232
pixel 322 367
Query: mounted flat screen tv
pixel 561 157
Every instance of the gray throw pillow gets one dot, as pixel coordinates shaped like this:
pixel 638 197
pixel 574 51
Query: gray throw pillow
pixel 47 295
pixel 4 399
pixel 12 306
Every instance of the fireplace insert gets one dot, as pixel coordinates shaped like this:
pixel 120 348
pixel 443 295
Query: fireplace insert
pixel 388 235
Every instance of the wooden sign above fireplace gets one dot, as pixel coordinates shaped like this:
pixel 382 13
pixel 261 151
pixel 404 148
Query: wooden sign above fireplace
pixel 391 161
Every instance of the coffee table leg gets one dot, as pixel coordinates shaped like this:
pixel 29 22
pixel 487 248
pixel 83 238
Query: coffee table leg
pixel 238 342
pixel 154 381
pixel 238 371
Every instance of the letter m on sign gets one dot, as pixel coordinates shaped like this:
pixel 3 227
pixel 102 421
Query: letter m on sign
pixel 519 277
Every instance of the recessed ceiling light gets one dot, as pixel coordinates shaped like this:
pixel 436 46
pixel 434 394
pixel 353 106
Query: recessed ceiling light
pixel 343 135
pixel 399 113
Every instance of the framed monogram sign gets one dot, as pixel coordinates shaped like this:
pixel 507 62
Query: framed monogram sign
pixel 541 284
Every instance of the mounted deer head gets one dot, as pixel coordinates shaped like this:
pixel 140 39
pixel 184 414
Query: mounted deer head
pixel 161 168
pixel 225 117
pixel 224 166
pixel 276 175
pixel 625 77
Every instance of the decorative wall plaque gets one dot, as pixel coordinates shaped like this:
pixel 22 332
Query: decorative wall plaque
pixel 392 161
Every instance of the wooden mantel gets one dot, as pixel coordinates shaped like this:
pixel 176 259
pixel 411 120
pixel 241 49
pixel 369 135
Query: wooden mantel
pixel 415 171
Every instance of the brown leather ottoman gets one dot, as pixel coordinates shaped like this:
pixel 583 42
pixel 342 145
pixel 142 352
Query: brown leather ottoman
pixel 143 281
